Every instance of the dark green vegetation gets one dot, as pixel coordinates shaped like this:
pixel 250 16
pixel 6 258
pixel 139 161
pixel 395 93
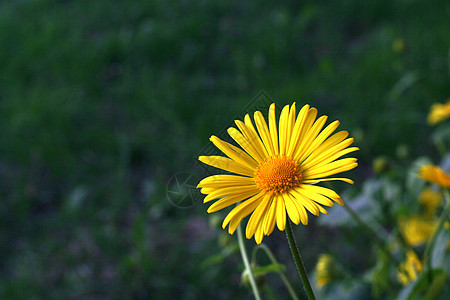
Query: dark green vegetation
pixel 101 102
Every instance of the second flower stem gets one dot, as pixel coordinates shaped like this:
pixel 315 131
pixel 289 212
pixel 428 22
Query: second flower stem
pixel 371 234
pixel 298 261
pixel 247 263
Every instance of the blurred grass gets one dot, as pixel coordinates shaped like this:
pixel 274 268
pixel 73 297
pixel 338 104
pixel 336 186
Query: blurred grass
pixel 102 102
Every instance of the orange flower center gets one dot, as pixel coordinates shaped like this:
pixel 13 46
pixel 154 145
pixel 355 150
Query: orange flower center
pixel 277 174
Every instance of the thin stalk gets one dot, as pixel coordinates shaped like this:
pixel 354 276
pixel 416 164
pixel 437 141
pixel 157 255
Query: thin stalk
pixel 298 261
pixel 247 264
pixel 274 261
pixel 371 234
pixel 427 254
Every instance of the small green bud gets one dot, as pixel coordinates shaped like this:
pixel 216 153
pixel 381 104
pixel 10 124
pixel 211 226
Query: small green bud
pixel 380 165
pixel 215 221
pixel 224 240
pixel 245 279
pixel 402 151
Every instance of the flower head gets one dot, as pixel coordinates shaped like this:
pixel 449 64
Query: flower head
pixel 417 230
pixel 435 175
pixel 430 200
pixel 326 270
pixel 439 112
pixel 276 169
pixel 410 269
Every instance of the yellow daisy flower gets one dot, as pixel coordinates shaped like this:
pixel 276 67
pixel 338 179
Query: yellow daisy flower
pixel 277 169
pixel 438 113
pixel 430 200
pixel 435 175
pixel 410 269
pixel 325 270
pixel 417 230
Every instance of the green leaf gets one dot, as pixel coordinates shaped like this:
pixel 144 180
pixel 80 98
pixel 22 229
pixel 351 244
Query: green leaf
pixel 440 249
pixel 428 286
pixel 276 267
pixel 362 204
pixel 413 183
pixel 219 257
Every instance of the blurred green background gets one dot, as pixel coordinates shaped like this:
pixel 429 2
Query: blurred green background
pixel 103 102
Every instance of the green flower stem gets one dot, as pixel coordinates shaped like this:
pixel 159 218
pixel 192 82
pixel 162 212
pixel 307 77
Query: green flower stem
pixel 371 234
pixel 444 217
pixel 274 261
pixel 247 264
pixel 298 261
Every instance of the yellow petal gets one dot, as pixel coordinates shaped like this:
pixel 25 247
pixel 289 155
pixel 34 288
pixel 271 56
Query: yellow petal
pixel 298 127
pixel 228 191
pixel 300 208
pixel 291 209
pixel 254 134
pixel 254 139
pixel 273 128
pixel 224 180
pixel 314 196
pixel 269 220
pixel 309 138
pixel 290 125
pixel 264 132
pixel 313 181
pixel 226 164
pixel 306 202
pixel 245 143
pixel 322 154
pixel 319 140
pixel 324 191
pixel 281 214
pixel 283 129
pixel 256 218
pixel 229 200
pixel 234 153
pixel 328 158
pixel 335 167
pixel 240 212
pixel 259 234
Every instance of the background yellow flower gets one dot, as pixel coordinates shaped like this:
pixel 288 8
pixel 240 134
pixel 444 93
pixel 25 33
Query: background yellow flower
pixel 439 112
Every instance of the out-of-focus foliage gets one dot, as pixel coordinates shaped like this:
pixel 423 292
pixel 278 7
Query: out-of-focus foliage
pixel 103 102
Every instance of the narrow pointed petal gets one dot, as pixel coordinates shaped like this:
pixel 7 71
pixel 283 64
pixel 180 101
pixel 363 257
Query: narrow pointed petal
pixel 335 167
pixel 225 180
pixel 254 139
pixel 234 153
pixel 283 129
pixel 259 234
pixel 233 190
pixel 314 196
pixel 229 200
pixel 256 218
pixel 297 129
pixel 281 214
pixel 240 212
pixel 291 209
pixel 226 164
pixel 273 128
pixel 248 122
pixel 264 132
pixel 319 140
pixel 300 208
pixel 309 138
pixel 314 181
pixel 269 220
pixel 245 143
pixel 324 191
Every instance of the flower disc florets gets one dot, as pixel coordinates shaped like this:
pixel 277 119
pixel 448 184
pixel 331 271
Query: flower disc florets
pixel 278 174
